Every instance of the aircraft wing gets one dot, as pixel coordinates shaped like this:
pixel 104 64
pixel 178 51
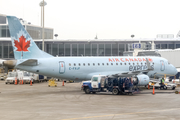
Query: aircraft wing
pixel 131 73
pixel 29 62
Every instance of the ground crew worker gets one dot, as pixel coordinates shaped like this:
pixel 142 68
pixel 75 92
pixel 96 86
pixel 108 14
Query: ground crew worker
pixel 162 81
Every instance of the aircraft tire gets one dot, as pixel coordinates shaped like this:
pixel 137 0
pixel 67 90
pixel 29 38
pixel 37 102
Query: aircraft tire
pixel 87 91
pixel 115 91
pixel 165 88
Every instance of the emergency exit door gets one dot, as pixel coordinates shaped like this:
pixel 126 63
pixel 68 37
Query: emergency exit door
pixel 162 65
pixel 61 67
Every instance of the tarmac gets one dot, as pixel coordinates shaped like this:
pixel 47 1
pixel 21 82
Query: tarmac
pixel 40 102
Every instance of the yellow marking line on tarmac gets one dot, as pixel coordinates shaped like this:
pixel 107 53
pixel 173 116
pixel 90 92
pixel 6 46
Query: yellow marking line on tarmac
pixel 120 114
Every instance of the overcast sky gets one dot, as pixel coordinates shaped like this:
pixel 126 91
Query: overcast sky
pixel 110 19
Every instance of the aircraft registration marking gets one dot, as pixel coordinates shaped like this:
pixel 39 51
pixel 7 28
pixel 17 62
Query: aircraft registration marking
pixel 74 68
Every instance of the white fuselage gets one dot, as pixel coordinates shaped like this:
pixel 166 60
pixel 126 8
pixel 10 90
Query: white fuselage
pixel 83 68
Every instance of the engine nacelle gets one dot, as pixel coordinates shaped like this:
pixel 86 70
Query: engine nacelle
pixel 141 80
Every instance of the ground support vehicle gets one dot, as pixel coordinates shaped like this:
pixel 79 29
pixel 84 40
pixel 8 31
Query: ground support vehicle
pixel 165 86
pixel 101 83
pixel 11 78
pixel 26 77
pixel 3 76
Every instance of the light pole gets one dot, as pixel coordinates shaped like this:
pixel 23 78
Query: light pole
pixel 42 4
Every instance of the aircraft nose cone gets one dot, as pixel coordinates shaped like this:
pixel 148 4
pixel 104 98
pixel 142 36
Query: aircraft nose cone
pixel 176 71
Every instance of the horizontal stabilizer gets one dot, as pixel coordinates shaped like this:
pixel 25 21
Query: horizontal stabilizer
pixel 30 62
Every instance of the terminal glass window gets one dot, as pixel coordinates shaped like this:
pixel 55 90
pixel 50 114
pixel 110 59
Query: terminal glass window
pixel 5 50
pixel 74 49
pixel 3 31
pixel 67 49
pixel 48 48
pixel 87 50
pixel 81 50
pixel 7 32
pixel 61 49
pixel 94 49
pixel 121 49
pixel 163 46
pixel 40 46
pixel 101 49
pixel 114 49
pixel 177 45
pixel 171 46
pixel 11 53
pixel 157 46
pixel 127 47
pixel 107 49
pixel 54 49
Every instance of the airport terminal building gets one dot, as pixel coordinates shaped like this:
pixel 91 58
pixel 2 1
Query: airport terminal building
pixel 79 47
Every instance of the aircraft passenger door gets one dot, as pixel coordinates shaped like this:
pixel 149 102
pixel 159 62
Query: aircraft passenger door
pixel 61 67
pixel 162 65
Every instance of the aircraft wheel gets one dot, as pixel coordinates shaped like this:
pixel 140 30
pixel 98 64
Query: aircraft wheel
pixel 165 88
pixel 173 88
pixel 94 92
pixel 87 91
pixel 115 91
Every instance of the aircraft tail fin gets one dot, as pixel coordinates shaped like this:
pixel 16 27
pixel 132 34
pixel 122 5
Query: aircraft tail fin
pixel 23 45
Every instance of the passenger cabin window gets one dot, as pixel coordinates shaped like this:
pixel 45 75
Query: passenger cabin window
pixel 95 79
pixel 98 63
pixel 102 63
pixel 116 63
pixel 79 64
pixel 93 64
pixel 137 63
pixel 129 63
pixel 120 63
pixel 133 63
pixel 69 64
pixel 84 64
pixel 111 63
pixel 74 64
pixel 88 64
pixel 107 64
pixel 141 63
pixel 124 63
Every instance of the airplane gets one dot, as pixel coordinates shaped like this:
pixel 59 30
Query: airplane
pixel 30 58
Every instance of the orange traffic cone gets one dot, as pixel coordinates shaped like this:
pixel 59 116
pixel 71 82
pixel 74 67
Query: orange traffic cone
pixel 153 91
pixel 22 82
pixel 19 81
pixel 63 83
pixel 15 81
pixel 30 82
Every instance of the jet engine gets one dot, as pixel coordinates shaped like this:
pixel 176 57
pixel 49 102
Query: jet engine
pixel 141 80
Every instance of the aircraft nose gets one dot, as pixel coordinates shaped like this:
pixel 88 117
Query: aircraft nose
pixel 175 70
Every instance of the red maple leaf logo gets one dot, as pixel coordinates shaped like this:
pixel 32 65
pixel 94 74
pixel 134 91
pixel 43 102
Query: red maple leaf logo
pixel 22 45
